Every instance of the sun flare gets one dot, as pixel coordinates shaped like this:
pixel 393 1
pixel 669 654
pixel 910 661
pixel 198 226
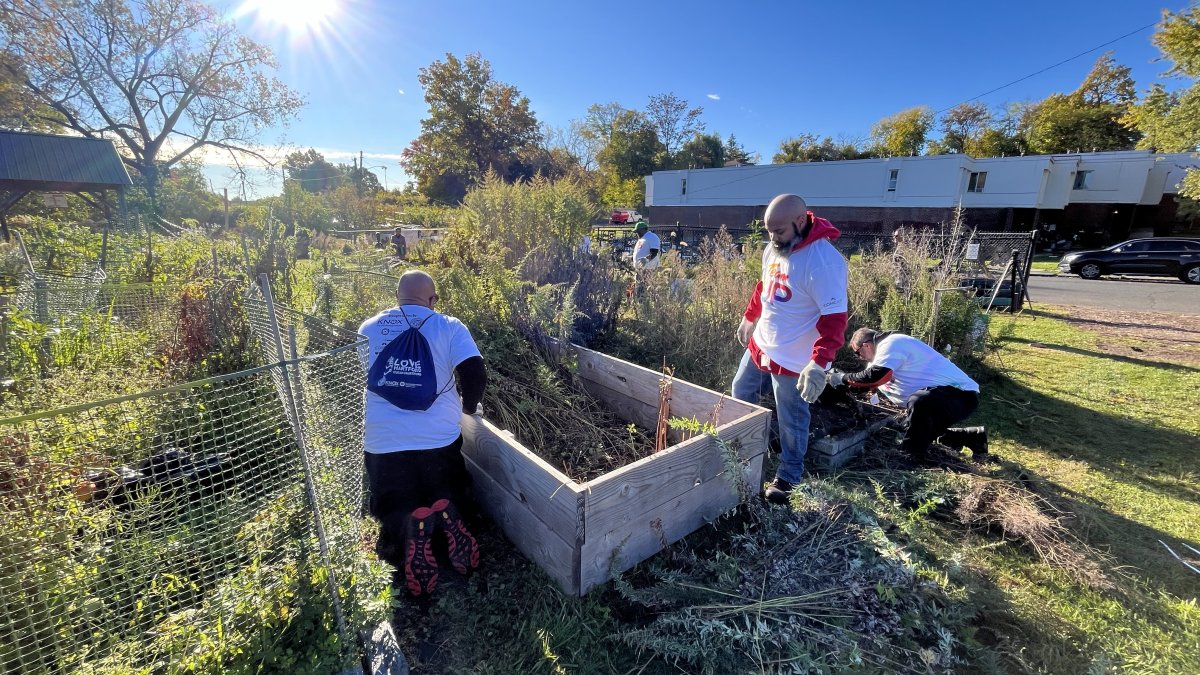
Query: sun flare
pixel 294 16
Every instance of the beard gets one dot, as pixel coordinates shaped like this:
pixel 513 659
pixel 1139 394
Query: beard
pixel 786 246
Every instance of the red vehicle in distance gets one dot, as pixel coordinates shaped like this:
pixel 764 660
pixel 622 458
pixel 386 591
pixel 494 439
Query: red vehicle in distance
pixel 625 216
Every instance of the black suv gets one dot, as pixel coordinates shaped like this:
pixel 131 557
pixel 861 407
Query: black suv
pixel 1160 257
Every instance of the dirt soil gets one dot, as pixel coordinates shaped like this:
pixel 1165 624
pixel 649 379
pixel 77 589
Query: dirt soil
pixel 835 413
pixel 1147 336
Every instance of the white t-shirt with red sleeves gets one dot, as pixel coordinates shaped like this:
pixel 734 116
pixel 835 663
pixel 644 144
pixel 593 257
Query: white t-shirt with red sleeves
pixel 392 429
pixel 916 366
pixel 797 288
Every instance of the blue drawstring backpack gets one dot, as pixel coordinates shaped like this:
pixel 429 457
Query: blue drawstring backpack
pixel 404 374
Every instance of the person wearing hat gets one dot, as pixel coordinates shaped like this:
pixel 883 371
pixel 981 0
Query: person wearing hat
pixel 646 252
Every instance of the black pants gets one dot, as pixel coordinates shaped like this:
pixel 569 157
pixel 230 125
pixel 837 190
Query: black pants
pixel 400 482
pixel 931 411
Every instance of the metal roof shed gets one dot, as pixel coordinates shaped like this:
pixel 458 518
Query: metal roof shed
pixel 48 163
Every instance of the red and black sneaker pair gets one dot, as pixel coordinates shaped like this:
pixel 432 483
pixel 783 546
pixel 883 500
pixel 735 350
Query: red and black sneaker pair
pixel 420 565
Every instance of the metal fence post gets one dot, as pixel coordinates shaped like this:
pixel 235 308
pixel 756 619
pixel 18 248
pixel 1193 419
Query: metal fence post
pixel 285 365
pixel 1014 303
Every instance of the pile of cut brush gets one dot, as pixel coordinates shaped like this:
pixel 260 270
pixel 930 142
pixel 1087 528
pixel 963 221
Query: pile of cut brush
pixel 814 589
pixel 534 394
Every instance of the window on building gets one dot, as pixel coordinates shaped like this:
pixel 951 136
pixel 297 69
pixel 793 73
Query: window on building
pixel 893 176
pixel 683 186
pixel 977 181
pixel 1081 179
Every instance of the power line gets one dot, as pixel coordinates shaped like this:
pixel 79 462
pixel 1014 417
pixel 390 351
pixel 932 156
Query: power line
pixel 1064 61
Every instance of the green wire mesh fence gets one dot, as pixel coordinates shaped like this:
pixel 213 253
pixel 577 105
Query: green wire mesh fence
pixel 211 526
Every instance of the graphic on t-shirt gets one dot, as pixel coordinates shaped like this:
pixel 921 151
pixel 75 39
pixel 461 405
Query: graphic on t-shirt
pixel 777 288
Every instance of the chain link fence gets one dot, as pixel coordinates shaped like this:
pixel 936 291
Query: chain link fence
pixel 985 263
pixel 116 325
pixel 211 526
pixel 52 297
pixel 346 298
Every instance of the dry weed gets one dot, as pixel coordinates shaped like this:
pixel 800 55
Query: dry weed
pixel 1031 520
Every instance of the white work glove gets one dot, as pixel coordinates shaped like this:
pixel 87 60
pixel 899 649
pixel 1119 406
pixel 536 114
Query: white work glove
pixel 744 331
pixel 812 382
pixel 836 378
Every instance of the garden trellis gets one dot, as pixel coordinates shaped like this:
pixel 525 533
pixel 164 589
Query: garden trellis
pixel 194 527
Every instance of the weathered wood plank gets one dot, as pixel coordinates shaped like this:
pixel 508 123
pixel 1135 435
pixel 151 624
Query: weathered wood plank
pixel 645 532
pixel 612 498
pixel 524 527
pixel 833 451
pixel 530 479
pixel 641 384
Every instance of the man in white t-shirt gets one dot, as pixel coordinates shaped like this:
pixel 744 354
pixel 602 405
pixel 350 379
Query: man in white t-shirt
pixel 792 328
pixel 415 470
pixel 646 251
pixel 935 392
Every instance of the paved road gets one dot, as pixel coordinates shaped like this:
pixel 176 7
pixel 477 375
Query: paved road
pixel 1135 295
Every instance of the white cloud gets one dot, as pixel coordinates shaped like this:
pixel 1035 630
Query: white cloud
pixel 401 91
pixel 715 97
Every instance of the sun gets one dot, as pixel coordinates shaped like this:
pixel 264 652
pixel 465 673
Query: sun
pixel 293 16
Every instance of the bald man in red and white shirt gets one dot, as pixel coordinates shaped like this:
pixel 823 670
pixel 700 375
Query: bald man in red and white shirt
pixel 792 328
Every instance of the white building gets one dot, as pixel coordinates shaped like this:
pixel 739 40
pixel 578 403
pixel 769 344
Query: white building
pixel 1117 192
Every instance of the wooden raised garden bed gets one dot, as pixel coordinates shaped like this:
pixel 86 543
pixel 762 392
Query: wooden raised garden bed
pixel 839 430
pixel 580 533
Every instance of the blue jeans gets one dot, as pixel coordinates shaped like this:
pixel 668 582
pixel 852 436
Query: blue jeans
pixel 750 384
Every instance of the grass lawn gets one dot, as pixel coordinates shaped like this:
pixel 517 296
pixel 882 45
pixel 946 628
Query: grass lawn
pixel 1095 433
pixel 1044 262
pixel 1110 433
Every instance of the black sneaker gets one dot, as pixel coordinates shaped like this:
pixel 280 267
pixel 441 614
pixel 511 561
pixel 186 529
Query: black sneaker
pixel 977 441
pixel 460 543
pixel 420 567
pixel 777 492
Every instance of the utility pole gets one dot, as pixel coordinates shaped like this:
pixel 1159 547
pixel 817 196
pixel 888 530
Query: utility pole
pixel 359 174
pixel 287 198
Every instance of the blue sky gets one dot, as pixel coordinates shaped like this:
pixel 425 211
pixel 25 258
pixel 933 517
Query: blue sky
pixel 763 71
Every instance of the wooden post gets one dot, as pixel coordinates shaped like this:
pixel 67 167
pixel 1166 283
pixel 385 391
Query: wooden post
pixel 104 246
pixel 149 249
pixel 3 336
pixel 41 310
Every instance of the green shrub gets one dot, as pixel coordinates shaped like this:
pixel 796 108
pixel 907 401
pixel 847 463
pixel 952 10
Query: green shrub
pixel 522 215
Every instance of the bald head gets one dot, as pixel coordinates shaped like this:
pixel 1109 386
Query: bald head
pixel 785 218
pixel 416 288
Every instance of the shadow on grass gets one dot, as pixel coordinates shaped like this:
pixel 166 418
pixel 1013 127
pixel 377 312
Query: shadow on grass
pixel 1007 638
pixel 1121 449
pixel 1118 324
pixel 1040 344
pixel 1062 627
